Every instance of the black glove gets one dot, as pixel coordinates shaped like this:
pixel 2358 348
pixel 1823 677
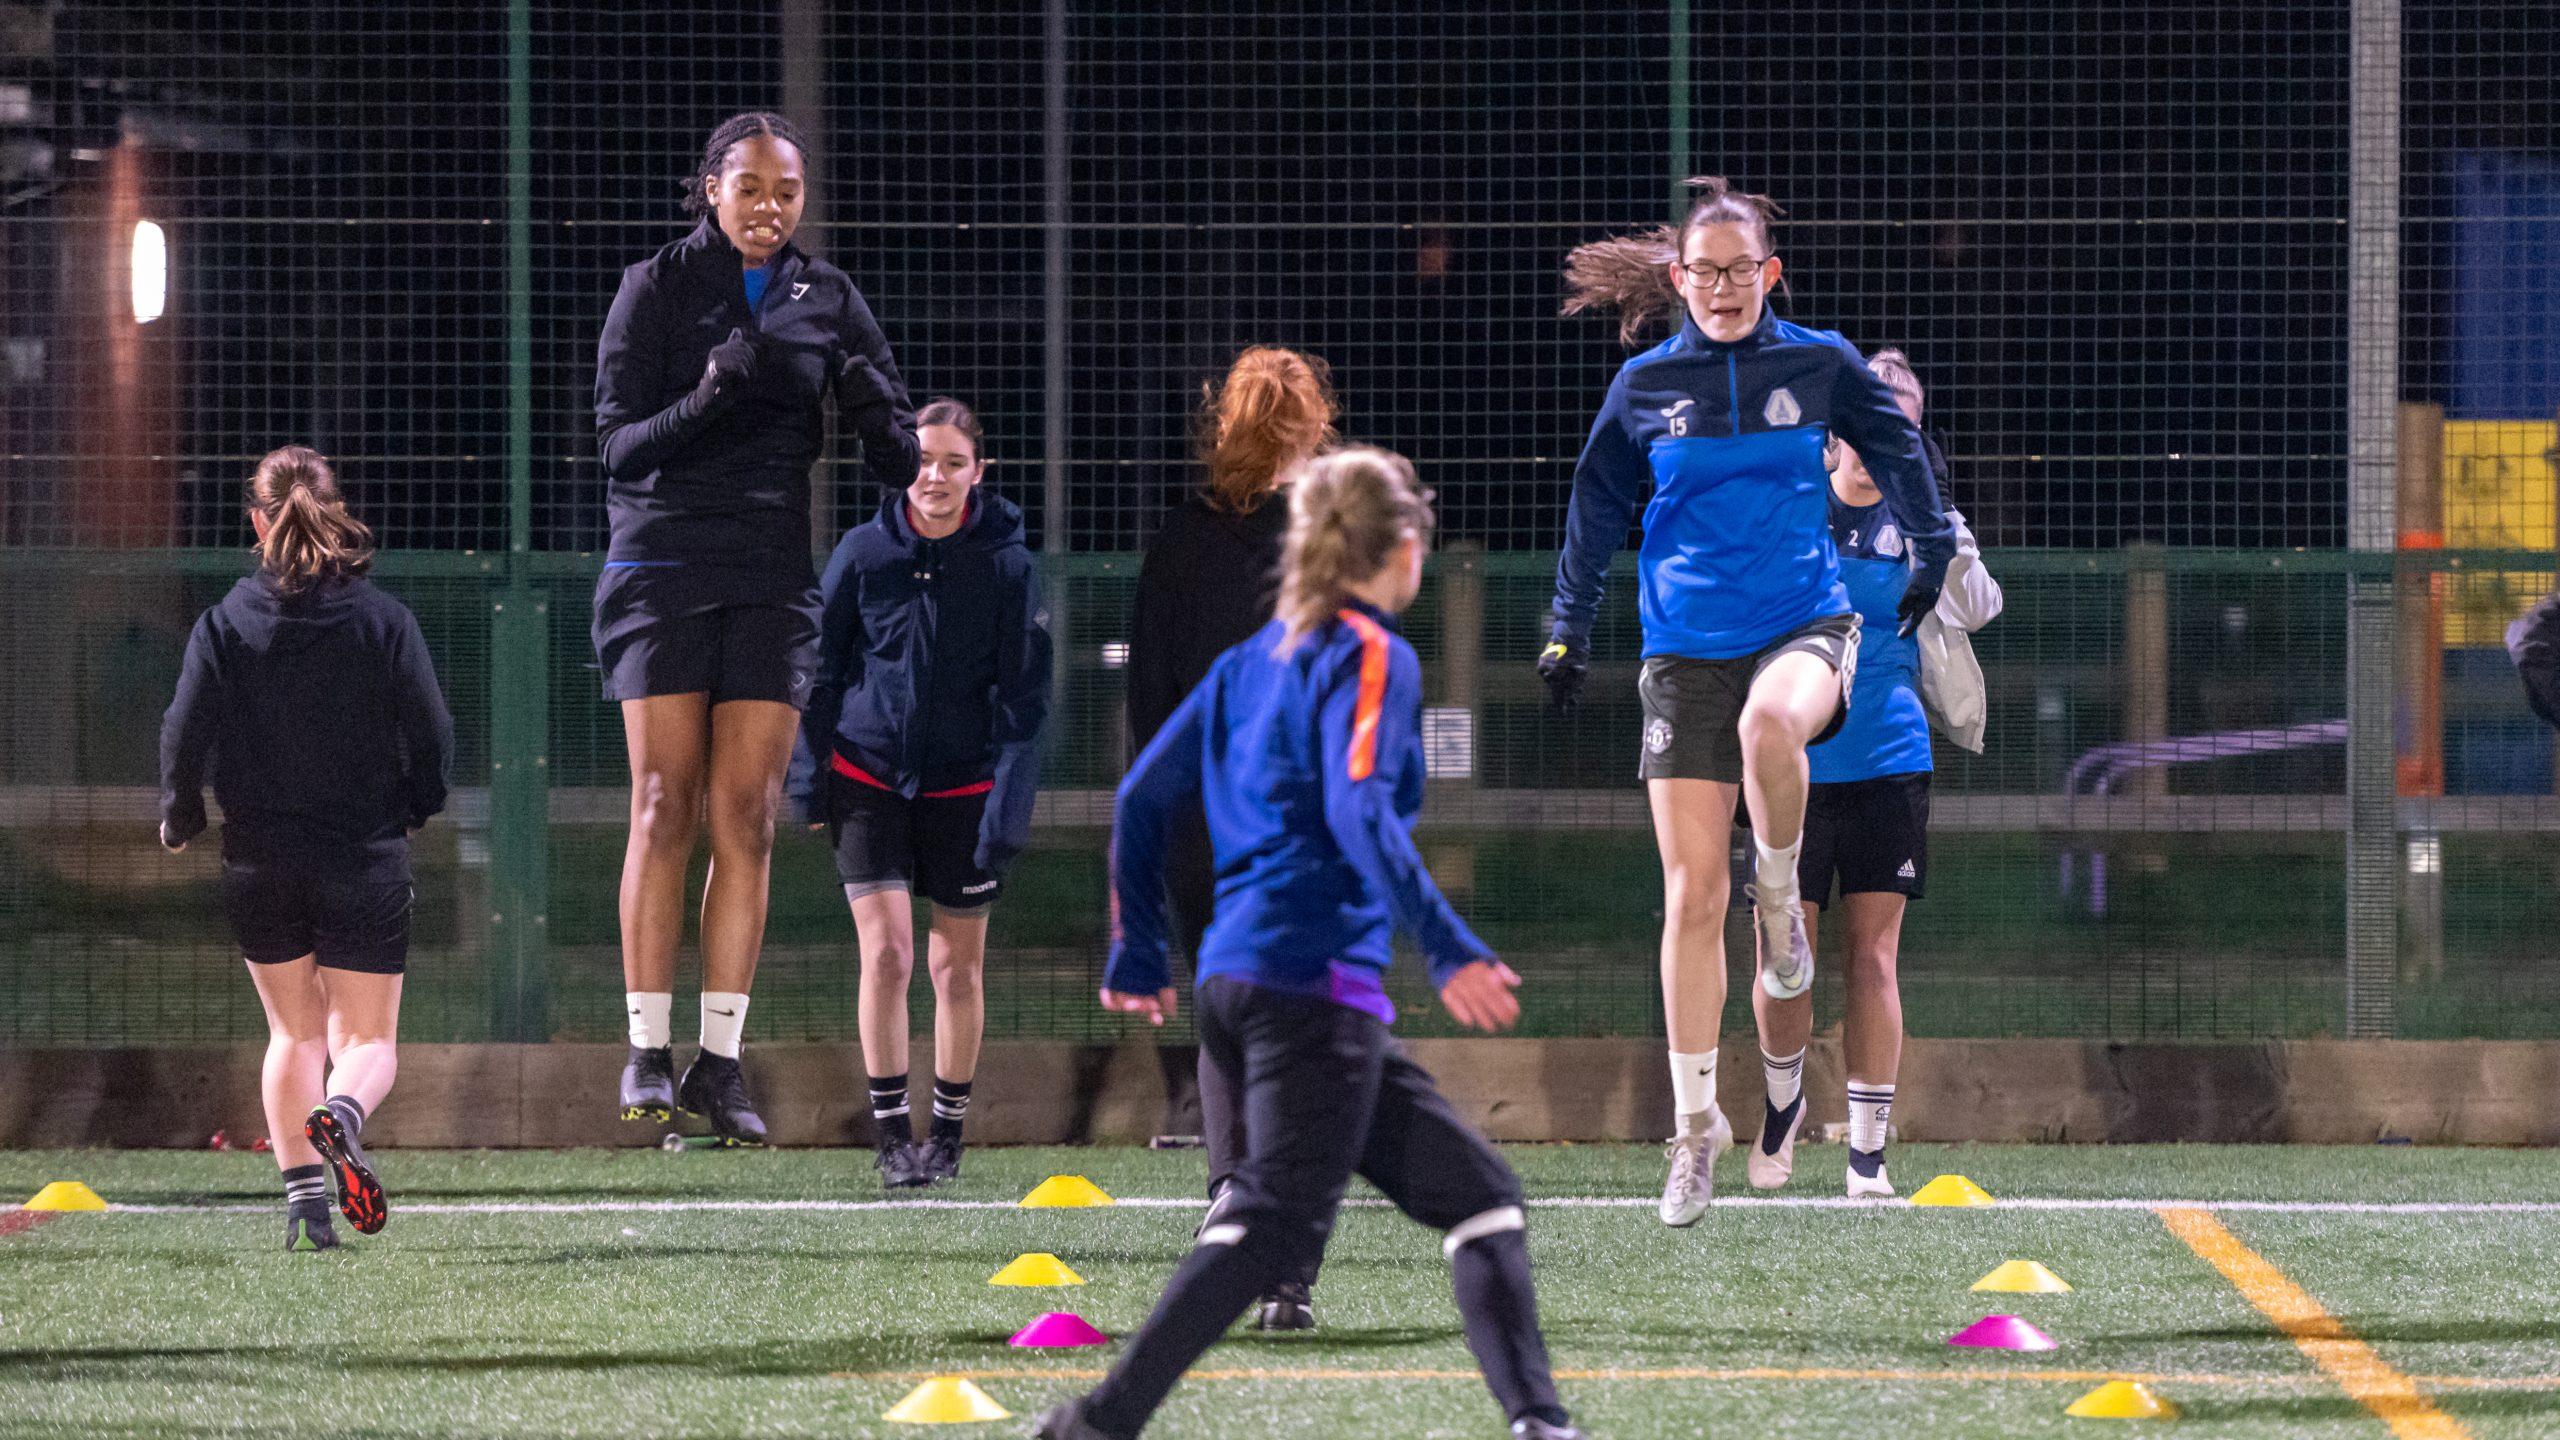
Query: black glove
pixel 1920 597
pixel 733 363
pixel 864 392
pixel 1564 667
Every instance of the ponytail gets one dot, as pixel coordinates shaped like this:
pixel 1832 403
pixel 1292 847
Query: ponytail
pixel 1347 511
pixel 1631 274
pixel 1274 409
pixel 310 536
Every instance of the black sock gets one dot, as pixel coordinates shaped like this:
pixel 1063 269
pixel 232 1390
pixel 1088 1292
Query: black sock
pixel 1866 1162
pixel 889 1109
pixel 349 1113
pixel 1491 1276
pixel 1209 1289
pixel 950 1107
pixel 306 1187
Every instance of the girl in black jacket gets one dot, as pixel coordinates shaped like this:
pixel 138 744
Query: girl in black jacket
pixel 920 759
pixel 308 696
pixel 1206 585
pixel 711 383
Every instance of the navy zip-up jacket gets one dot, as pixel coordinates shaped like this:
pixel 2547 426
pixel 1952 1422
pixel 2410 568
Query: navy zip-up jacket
pixel 1310 766
pixel 319 721
pixel 727 484
pixel 1737 548
pixel 933 667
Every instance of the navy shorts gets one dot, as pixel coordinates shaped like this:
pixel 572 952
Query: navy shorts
pixel 352 920
pixel 661 631
pixel 1872 835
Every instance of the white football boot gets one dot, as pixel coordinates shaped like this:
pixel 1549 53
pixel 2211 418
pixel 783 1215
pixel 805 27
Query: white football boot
pixel 1786 956
pixel 1691 1186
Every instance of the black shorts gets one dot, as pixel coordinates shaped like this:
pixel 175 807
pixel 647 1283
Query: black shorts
pixel 1693 708
pixel 927 846
pixel 1872 834
pixel 658 631
pixel 351 920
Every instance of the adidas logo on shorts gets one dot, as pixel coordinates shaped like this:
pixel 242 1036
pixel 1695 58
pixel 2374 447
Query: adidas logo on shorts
pixel 1906 872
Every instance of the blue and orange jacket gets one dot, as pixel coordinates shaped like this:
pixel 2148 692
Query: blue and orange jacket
pixel 1310 768
pixel 1737 547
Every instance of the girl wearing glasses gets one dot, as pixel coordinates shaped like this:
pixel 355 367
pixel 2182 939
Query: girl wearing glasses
pixel 1750 639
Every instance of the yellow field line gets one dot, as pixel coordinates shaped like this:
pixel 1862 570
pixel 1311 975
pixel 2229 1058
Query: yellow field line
pixel 2393 1397
pixel 2049 1377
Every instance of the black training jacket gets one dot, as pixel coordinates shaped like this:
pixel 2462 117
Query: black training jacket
pixel 933 666
pixel 1207 584
pixel 2533 642
pixel 728 483
pixel 318 719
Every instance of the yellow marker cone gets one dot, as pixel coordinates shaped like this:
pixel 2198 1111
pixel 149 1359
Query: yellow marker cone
pixel 1951 1190
pixel 1037 1268
pixel 946 1400
pixel 2023 1277
pixel 2122 1400
pixel 65 1195
pixel 1064 1192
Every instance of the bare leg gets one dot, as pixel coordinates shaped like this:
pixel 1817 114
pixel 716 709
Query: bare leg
pixel 364 1033
pixel 956 953
pixel 1693 827
pixel 1873 1027
pixel 750 751
pixel 1786 1026
pixel 289 1084
pixel 666 736
pixel 1791 700
pixel 884 923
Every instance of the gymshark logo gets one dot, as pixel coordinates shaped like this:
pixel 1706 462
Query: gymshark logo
pixel 799 288
pixel 1782 408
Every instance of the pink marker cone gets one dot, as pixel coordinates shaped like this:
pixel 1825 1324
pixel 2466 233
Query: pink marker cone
pixel 1059 1330
pixel 2002 1332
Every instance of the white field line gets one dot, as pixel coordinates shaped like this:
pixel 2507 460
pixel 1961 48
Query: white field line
pixel 1565 1202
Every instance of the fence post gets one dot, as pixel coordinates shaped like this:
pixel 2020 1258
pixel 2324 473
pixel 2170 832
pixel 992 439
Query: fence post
pixel 2419 710
pixel 2373 396
pixel 2146 659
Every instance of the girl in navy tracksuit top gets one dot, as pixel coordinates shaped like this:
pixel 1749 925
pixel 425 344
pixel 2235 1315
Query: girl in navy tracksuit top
pixel 1749 639
pixel 309 698
pixel 712 376
pixel 1304 744
pixel 921 756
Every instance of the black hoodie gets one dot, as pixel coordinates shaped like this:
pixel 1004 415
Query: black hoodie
pixel 933 666
pixel 727 483
pixel 1207 583
pixel 320 719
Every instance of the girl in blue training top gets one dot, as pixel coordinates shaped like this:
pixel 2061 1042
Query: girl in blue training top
pixel 1867 819
pixel 309 700
pixel 1304 745
pixel 1749 639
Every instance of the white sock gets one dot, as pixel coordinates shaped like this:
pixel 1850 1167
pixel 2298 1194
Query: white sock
pixel 1786 1077
pixel 1693 1090
pixel 652 1018
pixel 724 1022
pixel 1870 1110
pixel 1775 869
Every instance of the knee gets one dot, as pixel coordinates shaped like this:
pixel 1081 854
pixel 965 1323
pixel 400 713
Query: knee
pixel 954 976
pixel 298 1041
pixel 1507 1218
pixel 665 812
pixel 1874 963
pixel 742 820
pixel 1697 897
pixel 1766 727
pixel 889 962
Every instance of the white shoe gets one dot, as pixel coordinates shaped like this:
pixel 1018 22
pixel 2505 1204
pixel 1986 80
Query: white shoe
pixel 1691 1187
pixel 1863 1188
pixel 1769 1167
pixel 1786 956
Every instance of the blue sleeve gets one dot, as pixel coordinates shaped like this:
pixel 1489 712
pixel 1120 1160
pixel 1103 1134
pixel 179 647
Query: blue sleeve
pixel 1608 482
pixel 1370 736
pixel 1864 413
pixel 426 726
pixel 631 440
pixel 1166 774
pixel 186 737
pixel 840 643
pixel 1022 707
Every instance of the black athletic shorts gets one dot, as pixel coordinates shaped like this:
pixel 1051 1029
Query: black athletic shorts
pixel 927 846
pixel 1693 708
pixel 661 631
pixel 350 919
pixel 1872 834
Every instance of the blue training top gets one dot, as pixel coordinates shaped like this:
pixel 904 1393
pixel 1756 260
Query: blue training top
pixel 757 277
pixel 1310 768
pixel 1737 545
pixel 1887 732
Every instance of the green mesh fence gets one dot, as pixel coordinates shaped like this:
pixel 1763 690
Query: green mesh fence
pixel 2118 247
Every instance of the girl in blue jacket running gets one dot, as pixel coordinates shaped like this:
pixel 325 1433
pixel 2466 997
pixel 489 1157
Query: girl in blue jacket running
pixel 1749 638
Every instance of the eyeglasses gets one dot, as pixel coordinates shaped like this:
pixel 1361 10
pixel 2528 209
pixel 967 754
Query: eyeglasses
pixel 1740 273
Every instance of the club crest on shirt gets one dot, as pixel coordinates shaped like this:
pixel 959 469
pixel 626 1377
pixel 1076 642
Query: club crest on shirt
pixel 1889 542
pixel 1657 735
pixel 1782 408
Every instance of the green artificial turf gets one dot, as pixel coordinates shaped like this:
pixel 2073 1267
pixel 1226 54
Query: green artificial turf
pixel 584 1320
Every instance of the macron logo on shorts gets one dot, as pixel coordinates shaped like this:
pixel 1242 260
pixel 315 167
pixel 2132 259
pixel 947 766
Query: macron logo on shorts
pixel 978 889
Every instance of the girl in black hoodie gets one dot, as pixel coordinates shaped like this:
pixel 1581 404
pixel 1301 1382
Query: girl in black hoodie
pixel 920 759
pixel 712 377
pixel 308 696
pixel 1206 585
